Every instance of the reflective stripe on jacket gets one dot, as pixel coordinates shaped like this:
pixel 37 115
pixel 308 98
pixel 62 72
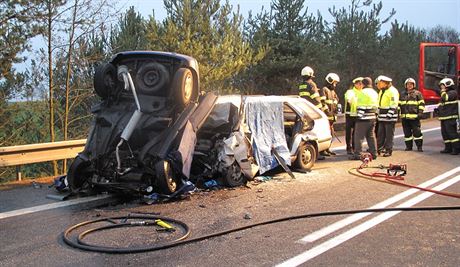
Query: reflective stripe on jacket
pixel 388 104
pixel 309 91
pixel 367 104
pixel 351 99
pixel 332 100
pixel 448 108
pixel 411 104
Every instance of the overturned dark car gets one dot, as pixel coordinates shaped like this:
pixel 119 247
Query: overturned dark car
pixel 153 130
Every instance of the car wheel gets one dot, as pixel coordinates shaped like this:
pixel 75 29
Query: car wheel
pixel 306 156
pixel 233 176
pixel 184 87
pixel 151 77
pixel 105 79
pixel 78 173
pixel 165 177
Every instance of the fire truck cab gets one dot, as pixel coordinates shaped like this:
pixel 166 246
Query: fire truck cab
pixel 437 61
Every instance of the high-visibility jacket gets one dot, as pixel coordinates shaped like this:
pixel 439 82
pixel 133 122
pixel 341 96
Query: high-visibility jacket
pixel 367 104
pixel 388 104
pixel 448 107
pixel 332 100
pixel 351 99
pixel 309 91
pixel 411 104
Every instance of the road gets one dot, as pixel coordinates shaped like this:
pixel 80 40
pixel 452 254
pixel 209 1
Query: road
pixel 33 236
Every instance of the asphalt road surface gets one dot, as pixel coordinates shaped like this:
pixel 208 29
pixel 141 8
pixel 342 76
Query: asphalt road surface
pixel 31 225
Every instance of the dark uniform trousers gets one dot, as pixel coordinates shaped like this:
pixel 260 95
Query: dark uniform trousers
pixel 385 135
pixel 411 128
pixel 365 129
pixel 350 132
pixel 449 132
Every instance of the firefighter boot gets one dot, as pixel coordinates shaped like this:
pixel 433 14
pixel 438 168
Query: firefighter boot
pixel 408 145
pixel 387 153
pixel 455 149
pixel 447 148
pixel 419 144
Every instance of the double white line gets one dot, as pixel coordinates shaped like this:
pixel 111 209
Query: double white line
pixel 333 242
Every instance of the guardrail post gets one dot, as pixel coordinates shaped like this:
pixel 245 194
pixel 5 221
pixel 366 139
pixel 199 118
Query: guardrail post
pixel 18 173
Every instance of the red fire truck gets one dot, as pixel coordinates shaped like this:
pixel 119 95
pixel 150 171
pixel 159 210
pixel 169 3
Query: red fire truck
pixel 437 61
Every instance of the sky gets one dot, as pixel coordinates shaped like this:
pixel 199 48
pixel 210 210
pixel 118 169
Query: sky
pixel 419 13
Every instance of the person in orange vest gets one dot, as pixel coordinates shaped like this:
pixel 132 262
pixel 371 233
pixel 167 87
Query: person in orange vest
pixel 411 106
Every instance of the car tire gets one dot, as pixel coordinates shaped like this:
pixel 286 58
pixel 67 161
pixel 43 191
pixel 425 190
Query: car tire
pixel 105 80
pixel 151 77
pixel 306 156
pixel 184 89
pixel 78 173
pixel 166 181
pixel 233 176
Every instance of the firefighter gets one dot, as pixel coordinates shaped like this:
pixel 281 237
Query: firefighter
pixel 448 115
pixel 308 88
pixel 387 115
pixel 350 112
pixel 309 91
pixel 411 105
pixel 366 106
pixel 331 100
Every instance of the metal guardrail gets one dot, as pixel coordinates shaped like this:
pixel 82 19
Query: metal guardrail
pixel 35 153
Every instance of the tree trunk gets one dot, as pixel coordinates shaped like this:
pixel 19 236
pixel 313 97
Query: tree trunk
pixel 67 81
pixel 51 81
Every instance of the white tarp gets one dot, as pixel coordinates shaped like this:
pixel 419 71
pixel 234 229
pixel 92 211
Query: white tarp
pixel 264 116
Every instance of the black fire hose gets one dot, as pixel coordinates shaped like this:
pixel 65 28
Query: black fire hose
pixel 81 244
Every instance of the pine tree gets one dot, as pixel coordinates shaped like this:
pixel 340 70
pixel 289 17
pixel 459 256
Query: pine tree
pixel 207 31
pixel 130 33
pixel 18 25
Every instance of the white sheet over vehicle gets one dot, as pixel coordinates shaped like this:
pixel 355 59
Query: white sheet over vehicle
pixel 264 116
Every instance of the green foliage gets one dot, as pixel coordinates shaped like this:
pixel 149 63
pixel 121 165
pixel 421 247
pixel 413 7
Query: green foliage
pixel 207 31
pixel 400 44
pixel 354 41
pixel 293 39
pixel 18 23
pixel 130 33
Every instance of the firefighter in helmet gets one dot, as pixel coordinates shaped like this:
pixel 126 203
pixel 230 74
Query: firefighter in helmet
pixel 309 91
pixel 308 88
pixel 331 101
pixel 411 105
pixel 387 115
pixel 448 115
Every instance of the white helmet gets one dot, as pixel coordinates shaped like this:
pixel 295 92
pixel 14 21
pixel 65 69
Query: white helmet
pixel 383 78
pixel 447 82
pixel 331 77
pixel 307 71
pixel 409 80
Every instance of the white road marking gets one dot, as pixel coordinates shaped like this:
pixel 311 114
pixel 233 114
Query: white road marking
pixel 50 206
pixel 333 242
pixel 355 217
pixel 396 136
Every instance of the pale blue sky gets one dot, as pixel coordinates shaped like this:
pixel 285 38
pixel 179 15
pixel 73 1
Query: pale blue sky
pixel 419 13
